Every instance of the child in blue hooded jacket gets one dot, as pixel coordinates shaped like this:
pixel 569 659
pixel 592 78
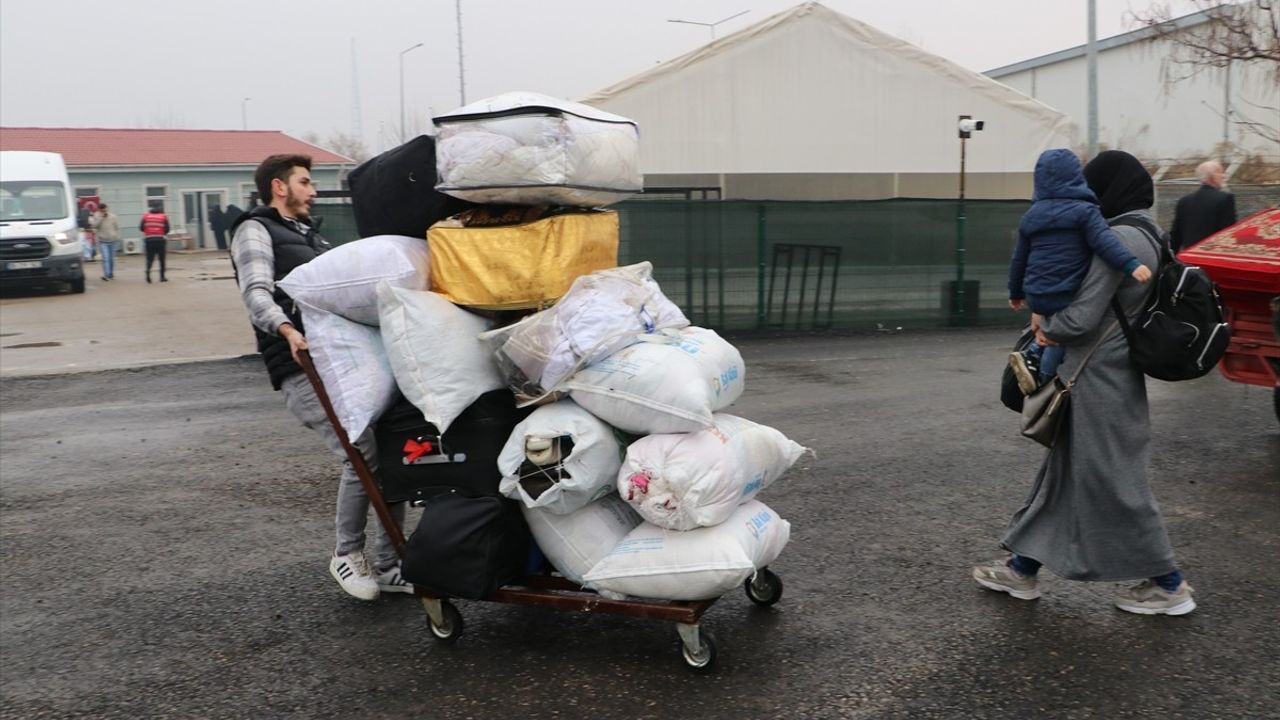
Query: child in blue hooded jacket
pixel 1057 239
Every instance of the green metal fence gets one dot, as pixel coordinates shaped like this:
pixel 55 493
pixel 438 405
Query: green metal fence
pixel 746 265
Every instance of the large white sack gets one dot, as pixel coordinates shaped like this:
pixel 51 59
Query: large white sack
pixel 592 466
pixel 525 148
pixel 654 562
pixel 435 353
pixel 690 480
pixel 345 279
pixel 601 313
pixel 669 382
pixel 353 366
pixel 574 543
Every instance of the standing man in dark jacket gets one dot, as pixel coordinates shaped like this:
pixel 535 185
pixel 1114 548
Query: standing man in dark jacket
pixel 218 222
pixel 267 243
pixel 154 227
pixel 1205 211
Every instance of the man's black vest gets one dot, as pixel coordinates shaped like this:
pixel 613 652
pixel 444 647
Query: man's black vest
pixel 291 249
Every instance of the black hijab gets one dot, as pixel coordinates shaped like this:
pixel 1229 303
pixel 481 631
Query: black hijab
pixel 1120 182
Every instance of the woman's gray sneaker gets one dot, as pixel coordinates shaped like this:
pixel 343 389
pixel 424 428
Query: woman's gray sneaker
pixel 1148 598
pixel 997 575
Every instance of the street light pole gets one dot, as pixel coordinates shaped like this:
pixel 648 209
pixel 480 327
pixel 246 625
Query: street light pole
pixel 402 54
pixel 244 115
pixel 462 75
pixel 966 126
pixel 961 219
pixel 711 25
pixel 1091 64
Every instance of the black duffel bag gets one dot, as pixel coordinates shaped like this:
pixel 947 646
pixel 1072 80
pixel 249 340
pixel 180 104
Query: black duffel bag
pixel 395 193
pixel 415 462
pixel 467 547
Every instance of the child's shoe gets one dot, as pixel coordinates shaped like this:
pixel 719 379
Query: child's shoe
pixel 1026 368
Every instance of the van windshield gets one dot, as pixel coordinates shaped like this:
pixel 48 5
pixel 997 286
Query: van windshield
pixel 32 200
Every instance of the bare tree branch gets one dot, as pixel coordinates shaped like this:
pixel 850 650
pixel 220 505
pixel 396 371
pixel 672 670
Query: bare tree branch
pixel 341 143
pixel 1247 33
pixel 1244 35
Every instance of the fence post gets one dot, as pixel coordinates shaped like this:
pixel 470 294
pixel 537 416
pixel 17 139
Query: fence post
pixel 760 267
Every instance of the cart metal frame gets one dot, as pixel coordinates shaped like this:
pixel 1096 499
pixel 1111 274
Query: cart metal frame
pixel 698 648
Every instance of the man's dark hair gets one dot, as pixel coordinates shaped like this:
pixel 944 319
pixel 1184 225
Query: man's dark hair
pixel 277 167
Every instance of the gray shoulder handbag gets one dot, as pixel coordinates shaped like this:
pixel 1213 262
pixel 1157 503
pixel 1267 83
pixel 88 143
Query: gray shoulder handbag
pixel 1043 410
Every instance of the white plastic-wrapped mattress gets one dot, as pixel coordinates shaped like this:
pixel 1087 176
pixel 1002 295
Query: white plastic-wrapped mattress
pixel 525 148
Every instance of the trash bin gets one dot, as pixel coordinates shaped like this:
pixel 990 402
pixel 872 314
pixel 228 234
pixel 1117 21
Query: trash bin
pixel 951 302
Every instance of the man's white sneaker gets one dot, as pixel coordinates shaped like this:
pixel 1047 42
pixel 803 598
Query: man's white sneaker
pixel 390 580
pixel 352 573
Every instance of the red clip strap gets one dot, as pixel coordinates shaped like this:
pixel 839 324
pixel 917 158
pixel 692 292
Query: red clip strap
pixel 414 449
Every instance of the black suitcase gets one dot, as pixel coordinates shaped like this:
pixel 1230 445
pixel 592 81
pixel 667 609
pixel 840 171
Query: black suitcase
pixel 467 547
pixel 416 462
pixel 470 540
pixel 395 193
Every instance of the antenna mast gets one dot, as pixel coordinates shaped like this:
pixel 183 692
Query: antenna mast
pixel 357 131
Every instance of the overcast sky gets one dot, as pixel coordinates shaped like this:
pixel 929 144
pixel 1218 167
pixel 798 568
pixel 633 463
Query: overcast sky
pixel 178 63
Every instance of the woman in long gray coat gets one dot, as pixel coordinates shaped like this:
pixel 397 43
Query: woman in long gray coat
pixel 1091 514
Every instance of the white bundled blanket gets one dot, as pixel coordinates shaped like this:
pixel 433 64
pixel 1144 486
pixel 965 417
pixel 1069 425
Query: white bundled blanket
pixel 690 480
pixel 653 562
pixel 668 382
pixel 353 365
pixel 584 474
pixel 602 313
pixel 433 349
pixel 524 148
pixel 345 280
pixel 574 543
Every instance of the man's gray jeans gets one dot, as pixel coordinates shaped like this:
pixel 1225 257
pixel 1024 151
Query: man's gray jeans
pixel 353 503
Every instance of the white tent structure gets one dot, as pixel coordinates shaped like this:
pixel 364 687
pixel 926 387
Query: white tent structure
pixel 810 104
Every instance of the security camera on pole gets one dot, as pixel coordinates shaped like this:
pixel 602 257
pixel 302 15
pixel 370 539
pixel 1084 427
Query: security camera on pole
pixel 966 126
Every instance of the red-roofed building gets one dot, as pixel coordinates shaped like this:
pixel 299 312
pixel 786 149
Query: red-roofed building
pixel 190 172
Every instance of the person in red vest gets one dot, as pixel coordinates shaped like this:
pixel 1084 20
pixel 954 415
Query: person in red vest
pixel 154 227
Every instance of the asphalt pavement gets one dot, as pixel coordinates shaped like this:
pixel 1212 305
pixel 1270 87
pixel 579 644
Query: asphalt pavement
pixel 164 534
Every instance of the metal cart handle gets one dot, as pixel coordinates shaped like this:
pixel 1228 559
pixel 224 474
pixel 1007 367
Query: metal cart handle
pixel 371 487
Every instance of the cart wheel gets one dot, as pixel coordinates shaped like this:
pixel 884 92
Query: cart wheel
pixel 764 589
pixel 704 659
pixel 448 631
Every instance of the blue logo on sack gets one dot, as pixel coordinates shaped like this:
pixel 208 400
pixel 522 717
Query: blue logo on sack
pixel 754 486
pixel 758 522
pixel 729 376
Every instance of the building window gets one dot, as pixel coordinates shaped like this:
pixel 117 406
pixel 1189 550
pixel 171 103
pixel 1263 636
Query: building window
pixel 247 189
pixel 155 195
pixel 88 191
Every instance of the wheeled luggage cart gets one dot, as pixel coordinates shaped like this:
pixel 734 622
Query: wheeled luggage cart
pixel 698 648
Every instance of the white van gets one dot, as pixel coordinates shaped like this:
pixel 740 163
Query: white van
pixel 39 240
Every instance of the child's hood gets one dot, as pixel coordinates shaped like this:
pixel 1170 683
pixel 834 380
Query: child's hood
pixel 1060 175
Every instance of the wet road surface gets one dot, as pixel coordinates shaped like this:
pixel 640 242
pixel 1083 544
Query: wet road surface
pixel 165 533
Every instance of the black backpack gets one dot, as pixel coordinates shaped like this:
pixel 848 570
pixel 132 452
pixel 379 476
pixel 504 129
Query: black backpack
pixel 1180 334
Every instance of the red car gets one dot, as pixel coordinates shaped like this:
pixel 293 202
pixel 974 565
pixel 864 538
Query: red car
pixel 1244 260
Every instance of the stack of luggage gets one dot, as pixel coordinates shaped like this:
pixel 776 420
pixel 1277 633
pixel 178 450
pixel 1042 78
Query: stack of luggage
pixel 518 383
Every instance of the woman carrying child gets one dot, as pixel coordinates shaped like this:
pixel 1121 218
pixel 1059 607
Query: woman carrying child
pixel 1091 514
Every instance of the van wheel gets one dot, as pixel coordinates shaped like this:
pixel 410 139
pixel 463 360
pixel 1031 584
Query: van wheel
pixel 77 286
